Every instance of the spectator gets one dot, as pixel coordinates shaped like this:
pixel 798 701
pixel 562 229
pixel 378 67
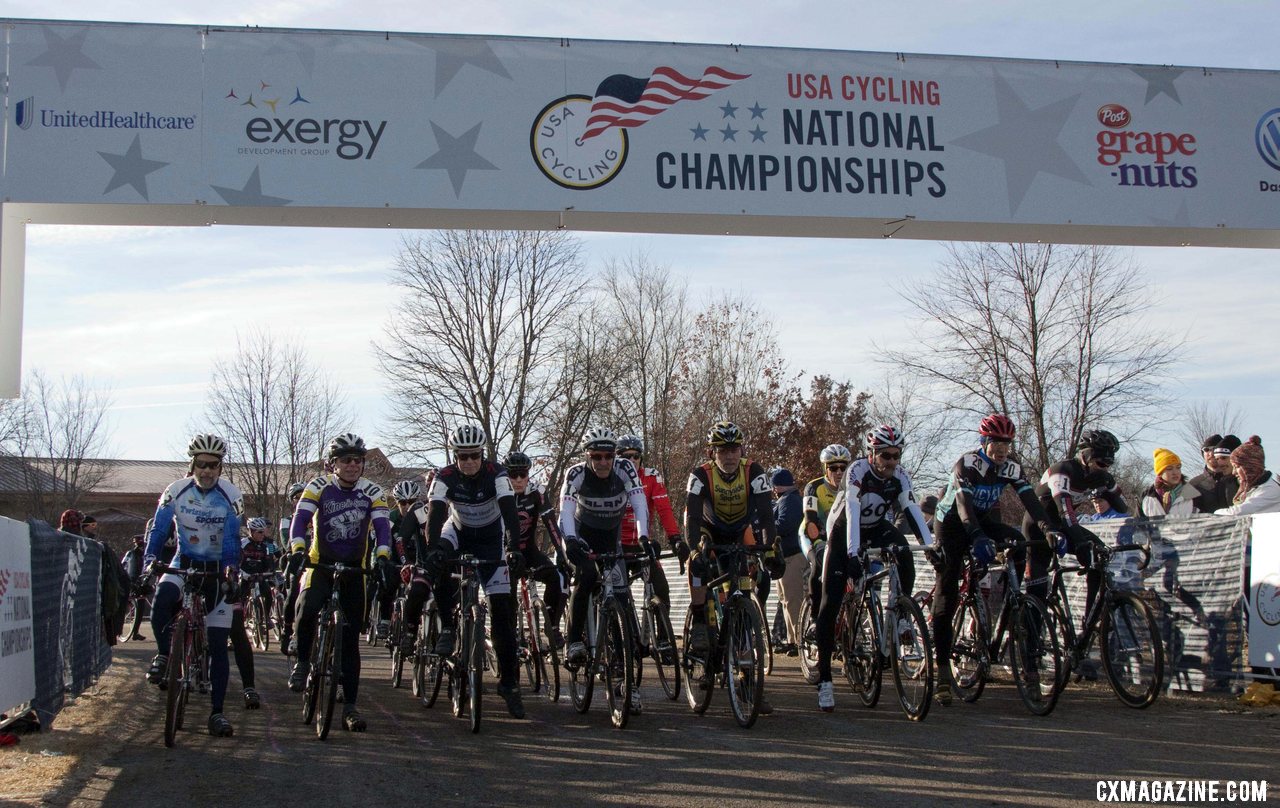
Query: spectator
pixel 89 527
pixel 928 506
pixel 1216 484
pixel 1259 493
pixel 1102 508
pixel 788 515
pixel 71 521
pixel 1170 495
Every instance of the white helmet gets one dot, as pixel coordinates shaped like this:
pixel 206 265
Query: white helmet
pixel 600 437
pixel 406 490
pixel 835 453
pixel 467 436
pixel 257 523
pixel 884 437
pixel 206 444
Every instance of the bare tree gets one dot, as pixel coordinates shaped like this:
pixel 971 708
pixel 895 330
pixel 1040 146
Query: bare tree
pixel 60 429
pixel 1202 419
pixel 480 334
pixel 276 410
pixel 934 434
pixel 1052 335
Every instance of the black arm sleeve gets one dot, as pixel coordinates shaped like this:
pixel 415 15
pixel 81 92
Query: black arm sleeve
pixel 511 520
pixel 436 516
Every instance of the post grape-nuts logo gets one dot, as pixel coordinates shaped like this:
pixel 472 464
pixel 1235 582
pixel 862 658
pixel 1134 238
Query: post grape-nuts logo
pixel 1114 116
pixel 1267 138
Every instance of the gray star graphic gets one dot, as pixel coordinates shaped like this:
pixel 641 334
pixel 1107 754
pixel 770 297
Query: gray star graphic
pixel 1160 80
pixel 729 110
pixel 251 194
pixel 757 111
pixel 64 55
pixel 131 168
pixel 1026 140
pixel 698 132
pixel 729 133
pixel 452 54
pixel 457 155
pixel 758 134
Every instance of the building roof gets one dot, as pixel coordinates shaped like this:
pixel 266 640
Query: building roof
pixel 17 475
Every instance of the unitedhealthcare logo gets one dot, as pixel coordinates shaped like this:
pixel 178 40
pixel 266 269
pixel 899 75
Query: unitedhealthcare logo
pixel 24 112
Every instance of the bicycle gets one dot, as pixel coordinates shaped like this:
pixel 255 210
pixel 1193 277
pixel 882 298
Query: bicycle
pixel 870 633
pixel 279 599
pixel 428 666
pixel 320 693
pixel 1035 654
pixel 1129 640
pixel 257 619
pixel 539 661
pixel 188 650
pixel 138 609
pixel 395 638
pixel 609 641
pixel 656 636
pixel 465 668
pixel 737 652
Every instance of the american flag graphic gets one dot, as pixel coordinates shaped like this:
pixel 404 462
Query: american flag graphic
pixel 630 102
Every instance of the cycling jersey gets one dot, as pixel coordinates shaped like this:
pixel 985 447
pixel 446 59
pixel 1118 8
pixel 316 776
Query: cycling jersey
pixel 341 519
pixel 207 522
pixel 655 494
pixel 819 495
pixel 726 505
pixel 409 530
pixel 982 482
pixel 592 507
pixel 867 500
pixel 531 506
pixel 1068 483
pixel 479 509
pixel 257 556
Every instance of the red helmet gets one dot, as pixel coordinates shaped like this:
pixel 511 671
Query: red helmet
pixel 996 427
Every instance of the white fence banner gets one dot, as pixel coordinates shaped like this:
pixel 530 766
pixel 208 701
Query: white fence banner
pixel 1264 592
pixel 17 649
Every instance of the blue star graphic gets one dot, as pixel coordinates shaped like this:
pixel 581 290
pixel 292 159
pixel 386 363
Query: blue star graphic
pixel 757 134
pixel 757 111
pixel 698 132
pixel 729 110
pixel 729 133
pixel 130 168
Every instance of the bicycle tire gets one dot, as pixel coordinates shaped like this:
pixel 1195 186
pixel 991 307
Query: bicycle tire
pixel 807 644
pixel 744 661
pixel 330 654
pixel 279 601
pixel 1066 636
pixel 912 658
pixel 969 661
pixel 699 679
pixel 262 632
pixel 859 645
pixel 432 664
pixel 527 655
pixel 553 674
pixel 311 689
pixel 475 665
pixel 581 684
pixel 614 652
pixel 663 642
pixel 1033 644
pixel 132 619
pixel 1131 646
pixel 176 681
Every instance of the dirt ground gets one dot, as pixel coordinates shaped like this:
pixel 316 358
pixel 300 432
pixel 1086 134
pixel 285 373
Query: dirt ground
pixel 988 753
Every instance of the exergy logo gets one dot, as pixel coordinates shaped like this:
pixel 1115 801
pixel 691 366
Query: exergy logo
pixel 293 133
pixel 1143 159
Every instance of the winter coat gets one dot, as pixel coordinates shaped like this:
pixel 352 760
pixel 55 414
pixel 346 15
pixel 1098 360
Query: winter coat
pixel 1184 502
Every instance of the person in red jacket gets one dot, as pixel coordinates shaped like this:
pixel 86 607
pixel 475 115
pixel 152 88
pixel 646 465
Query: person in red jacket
pixel 655 494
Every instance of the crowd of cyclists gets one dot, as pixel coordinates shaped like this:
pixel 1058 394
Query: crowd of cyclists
pixel 408 539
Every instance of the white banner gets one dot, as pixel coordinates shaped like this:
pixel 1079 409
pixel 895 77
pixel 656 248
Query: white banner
pixel 1264 592
pixel 17 648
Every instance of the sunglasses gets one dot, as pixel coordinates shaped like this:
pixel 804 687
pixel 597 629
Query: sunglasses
pixel 837 466
pixel 467 456
pixel 208 464
pixel 598 456
pixel 889 455
pixel 349 460
pixel 1103 462
pixel 631 455
pixel 517 474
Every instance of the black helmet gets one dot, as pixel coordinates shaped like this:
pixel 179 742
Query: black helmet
pixel 630 443
pixel 1100 443
pixel 517 460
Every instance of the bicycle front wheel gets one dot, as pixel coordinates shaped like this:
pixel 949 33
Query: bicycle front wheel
pixel 176 680
pixel 698 676
pixel 531 661
pixel 1035 655
pixel 311 690
pixel 808 642
pixel 614 658
pixel 1131 650
pixel 969 660
pixel 859 645
pixel 261 631
pixel 327 679
pixel 475 665
pixel 912 656
pixel 662 647
pixel 744 662
pixel 132 619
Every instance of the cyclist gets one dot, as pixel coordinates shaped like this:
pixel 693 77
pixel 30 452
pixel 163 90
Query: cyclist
pixel 631 448
pixel 292 566
pixel 819 495
pixel 730 501
pixel 131 563
pixel 475 497
pixel 968 517
pixel 1066 489
pixel 409 529
pixel 343 509
pixel 876 488
pixel 257 556
pixel 532 506
pixel 203 511
pixel 593 504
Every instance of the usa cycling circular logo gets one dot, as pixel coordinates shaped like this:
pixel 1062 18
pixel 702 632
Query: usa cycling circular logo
pixel 1267 138
pixel 565 156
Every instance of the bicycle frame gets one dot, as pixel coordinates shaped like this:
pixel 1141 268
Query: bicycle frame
pixel 192 663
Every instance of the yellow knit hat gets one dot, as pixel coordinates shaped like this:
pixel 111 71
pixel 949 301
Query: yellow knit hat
pixel 1164 459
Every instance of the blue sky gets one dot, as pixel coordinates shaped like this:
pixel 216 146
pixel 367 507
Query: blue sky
pixel 159 305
